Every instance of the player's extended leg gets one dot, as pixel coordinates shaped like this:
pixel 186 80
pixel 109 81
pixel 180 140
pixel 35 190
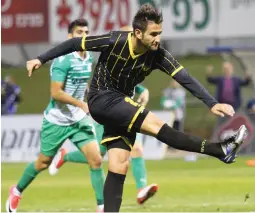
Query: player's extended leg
pixel 139 172
pixel 51 138
pixel 130 117
pixel 225 151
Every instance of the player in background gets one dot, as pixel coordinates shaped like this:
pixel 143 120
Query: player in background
pixel 66 118
pixel 144 192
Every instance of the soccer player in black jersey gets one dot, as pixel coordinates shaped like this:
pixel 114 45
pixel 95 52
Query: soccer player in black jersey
pixel 126 59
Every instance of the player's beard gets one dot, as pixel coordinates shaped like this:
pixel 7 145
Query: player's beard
pixel 147 46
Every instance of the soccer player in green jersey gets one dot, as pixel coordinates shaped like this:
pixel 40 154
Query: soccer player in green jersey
pixel 66 118
pixel 144 192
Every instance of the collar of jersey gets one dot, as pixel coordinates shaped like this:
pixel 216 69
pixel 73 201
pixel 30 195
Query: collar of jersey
pixel 131 48
pixel 76 55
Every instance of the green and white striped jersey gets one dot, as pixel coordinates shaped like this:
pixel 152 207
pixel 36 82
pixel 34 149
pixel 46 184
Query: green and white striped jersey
pixel 75 72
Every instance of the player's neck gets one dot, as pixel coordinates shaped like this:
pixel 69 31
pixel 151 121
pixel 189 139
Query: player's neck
pixel 82 54
pixel 137 47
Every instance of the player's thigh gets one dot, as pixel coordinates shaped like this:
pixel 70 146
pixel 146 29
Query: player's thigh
pixel 84 138
pixel 151 124
pixel 52 137
pixel 83 132
pixel 114 109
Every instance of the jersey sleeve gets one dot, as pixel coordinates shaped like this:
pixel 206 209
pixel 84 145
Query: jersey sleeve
pixel 139 89
pixel 96 43
pixel 165 62
pixel 59 69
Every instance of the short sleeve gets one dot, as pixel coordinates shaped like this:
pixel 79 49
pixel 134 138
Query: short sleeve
pixel 59 69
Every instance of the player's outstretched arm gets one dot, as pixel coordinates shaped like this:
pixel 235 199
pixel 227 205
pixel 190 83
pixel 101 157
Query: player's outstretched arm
pixel 198 90
pixel 167 63
pixel 63 48
pixel 89 43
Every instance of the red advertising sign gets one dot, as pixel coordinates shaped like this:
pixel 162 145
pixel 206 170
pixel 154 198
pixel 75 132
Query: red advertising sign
pixel 102 15
pixel 24 21
pixel 229 127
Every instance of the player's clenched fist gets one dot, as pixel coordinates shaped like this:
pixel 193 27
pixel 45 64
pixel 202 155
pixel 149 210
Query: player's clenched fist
pixel 223 109
pixel 33 65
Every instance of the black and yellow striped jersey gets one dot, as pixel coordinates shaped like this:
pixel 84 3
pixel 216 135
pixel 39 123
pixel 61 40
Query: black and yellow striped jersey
pixel 119 68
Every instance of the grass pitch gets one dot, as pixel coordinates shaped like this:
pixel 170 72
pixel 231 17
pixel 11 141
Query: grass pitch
pixel 203 186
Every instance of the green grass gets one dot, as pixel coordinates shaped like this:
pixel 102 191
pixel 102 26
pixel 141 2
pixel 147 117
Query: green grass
pixel 205 186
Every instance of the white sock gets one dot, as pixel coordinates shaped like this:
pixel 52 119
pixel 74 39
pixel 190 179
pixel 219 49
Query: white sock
pixel 100 207
pixel 17 192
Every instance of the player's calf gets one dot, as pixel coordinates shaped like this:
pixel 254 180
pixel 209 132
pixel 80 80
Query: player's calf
pixel 118 161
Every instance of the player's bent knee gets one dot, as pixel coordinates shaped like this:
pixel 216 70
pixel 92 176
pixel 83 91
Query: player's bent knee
pixel 151 124
pixel 120 167
pixel 43 162
pixel 118 158
pixel 96 161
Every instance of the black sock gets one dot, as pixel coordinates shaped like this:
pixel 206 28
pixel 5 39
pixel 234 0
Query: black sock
pixel 113 190
pixel 179 140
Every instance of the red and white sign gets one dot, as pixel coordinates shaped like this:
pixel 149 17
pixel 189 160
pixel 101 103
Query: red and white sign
pixel 228 128
pixel 24 21
pixel 102 15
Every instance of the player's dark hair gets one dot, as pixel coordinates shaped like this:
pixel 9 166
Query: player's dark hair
pixel 77 23
pixel 146 13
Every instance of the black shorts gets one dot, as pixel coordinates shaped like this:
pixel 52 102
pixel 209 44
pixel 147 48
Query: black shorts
pixel 121 116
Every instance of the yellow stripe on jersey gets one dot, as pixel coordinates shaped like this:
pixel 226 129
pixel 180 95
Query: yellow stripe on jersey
pixel 113 48
pixel 131 48
pixel 177 70
pixel 83 42
pixel 119 56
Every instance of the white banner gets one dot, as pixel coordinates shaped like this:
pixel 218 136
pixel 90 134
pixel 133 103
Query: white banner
pixel 102 15
pixel 21 138
pixel 236 18
pixel 188 19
